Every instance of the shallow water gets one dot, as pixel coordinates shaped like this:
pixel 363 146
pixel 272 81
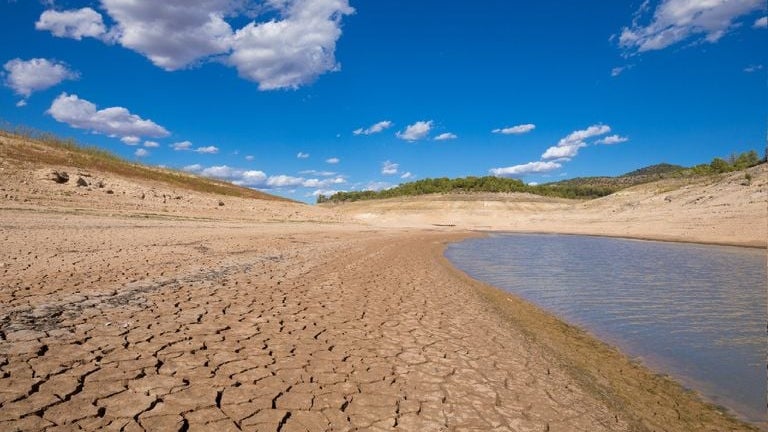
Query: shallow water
pixel 695 312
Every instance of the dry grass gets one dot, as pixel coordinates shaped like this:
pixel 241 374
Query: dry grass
pixel 40 148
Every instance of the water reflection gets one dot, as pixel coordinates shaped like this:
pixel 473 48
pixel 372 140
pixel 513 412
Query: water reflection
pixel 695 312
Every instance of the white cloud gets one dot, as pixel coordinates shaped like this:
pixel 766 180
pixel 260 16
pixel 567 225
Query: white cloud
pixel 515 130
pixel 389 168
pixel 182 145
pixel 376 128
pixel 377 186
pixel 318 173
pixel 207 150
pixel 249 158
pixel 302 155
pixel 113 121
pixel 407 175
pixel 140 152
pixel 293 44
pixel 172 34
pixel 333 160
pixel 674 21
pixel 620 70
pixel 753 68
pixel 613 139
pixel 28 76
pixel 284 181
pixel 255 178
pixel 761 23
pixel 565 152
pixel 74 24
pixel 151 144
pixel 529 168
pixel 292 51
pixel 325 192
pixel 569 146
pixel 21 103
pixel 416 131
pixel 446 136
pixel 130 140
pixel 316 183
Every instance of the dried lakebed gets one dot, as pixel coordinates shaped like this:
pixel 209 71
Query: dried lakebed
pixel 696 312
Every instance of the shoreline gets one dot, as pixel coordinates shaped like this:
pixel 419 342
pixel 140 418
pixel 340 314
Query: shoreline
pixel 648 237
pixel 616 389
pixel 561 336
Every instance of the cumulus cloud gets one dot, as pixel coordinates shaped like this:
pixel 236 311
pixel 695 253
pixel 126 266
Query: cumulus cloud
pixel 130 140
pixel 292 51
pixel 182 145
pixel 140 152
pixel 74 24
pixel 377 186
pixel 446 136
pixel 620 70
pixel 416 131
pixel 172 34
pixel 406 175
pixel 528 168
pixel 113 121
pixel 389 168
pixel 284 181
pixel 515 130
pixel 674 21
pixel 569 146
pixel 376 128
pixel 260 179
pixel 326 192
pixel 333 160
pixel 151 144
pixel 293 44
pixel 318 173
pixel 613 139
pixel 28 76
pixel 207 150
pixel 761 23
pixel 753 68
pixel 302 155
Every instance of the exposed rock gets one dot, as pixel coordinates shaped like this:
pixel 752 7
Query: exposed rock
pixel 100 184
pixel 221 203
pixel 60 177
pixel 81 182
pixel 110 191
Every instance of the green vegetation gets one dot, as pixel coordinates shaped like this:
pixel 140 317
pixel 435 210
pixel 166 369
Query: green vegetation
pixel 469 185
pixel 578 188
pixel 30 146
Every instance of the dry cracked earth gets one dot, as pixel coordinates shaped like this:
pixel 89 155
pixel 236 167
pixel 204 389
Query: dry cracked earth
pixel 116 324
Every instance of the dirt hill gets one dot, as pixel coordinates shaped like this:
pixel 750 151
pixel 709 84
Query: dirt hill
pixel 47 173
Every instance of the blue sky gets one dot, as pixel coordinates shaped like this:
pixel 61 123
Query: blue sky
pixel 300 97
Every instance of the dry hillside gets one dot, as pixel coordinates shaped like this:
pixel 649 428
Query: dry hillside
pixel 47 173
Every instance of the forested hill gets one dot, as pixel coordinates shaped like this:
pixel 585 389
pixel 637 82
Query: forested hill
pixel 579 188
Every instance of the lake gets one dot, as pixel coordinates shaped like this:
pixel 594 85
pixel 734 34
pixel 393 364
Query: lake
pixel 695 312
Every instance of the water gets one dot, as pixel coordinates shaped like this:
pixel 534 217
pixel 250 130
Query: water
pixel 695 312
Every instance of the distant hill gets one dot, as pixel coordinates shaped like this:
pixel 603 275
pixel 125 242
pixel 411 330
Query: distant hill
pixel 576 188
pixel 655 170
